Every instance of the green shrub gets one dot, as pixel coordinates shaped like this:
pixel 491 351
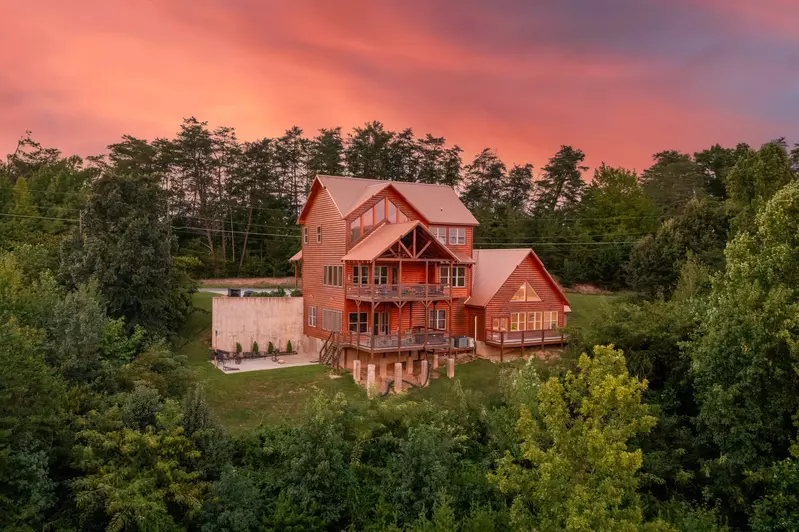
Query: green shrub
pixel 288 347
pixel 270 348
pixel 238 348
pixel 296 293
pixel 255 348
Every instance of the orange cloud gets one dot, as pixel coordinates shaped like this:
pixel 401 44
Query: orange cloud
pixel 81 76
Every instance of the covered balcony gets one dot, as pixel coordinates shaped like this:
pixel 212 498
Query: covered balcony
pixel 398 262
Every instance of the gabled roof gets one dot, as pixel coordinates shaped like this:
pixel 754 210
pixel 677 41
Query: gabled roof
pixel 296 257
pixel 438 204
pixel 494 266
pixel 378 241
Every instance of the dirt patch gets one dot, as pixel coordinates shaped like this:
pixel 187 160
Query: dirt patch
pixel 252 282
pixel 587 289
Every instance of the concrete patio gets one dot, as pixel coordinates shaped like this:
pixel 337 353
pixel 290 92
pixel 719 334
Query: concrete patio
pixel 266 363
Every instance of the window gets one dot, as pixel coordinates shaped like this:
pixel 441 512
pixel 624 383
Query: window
pixel 534 321
pixel 440 233
pixel 499 324
pixel 518 321
pixel 391 211
pixel 355 229
pixel 550 319
pixel 312 316
pixel 356 323
pixel 318 234
pixel 457 236
pixel 458 276
pixel 438 319
pixel 360 275
pixel 305 235
pixel 380 211
pixel 331 320
pixel 401 216
pixel 368 221
pixel 381 274
pixel 525 293
pixel 333 275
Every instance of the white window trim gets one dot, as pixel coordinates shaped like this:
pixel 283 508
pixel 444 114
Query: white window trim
pixel 440 233
pixel 305 235
pixel 437 317
pixel 312 316
pixel 457 236
pixel 458 281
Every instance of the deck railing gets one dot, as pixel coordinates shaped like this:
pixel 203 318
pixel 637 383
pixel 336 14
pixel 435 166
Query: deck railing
pixel 394 340
pixel 515 338
pixel 400 291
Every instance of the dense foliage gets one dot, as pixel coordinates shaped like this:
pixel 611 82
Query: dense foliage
pixel 674 408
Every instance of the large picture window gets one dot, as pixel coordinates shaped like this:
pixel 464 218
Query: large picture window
pixel 550 319
pixel 518 321
pixel 535 321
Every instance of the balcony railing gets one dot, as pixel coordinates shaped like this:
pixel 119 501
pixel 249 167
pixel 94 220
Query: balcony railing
pixel 383 292
pixel 516 338
pixel 414 339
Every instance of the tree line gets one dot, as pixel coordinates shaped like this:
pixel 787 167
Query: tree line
pixel 233 205
pixel 674 407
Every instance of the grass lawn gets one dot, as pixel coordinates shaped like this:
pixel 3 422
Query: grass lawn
pixel 583 305
pixel 245 400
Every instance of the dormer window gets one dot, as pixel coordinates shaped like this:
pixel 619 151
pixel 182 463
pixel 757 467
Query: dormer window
pixel 382 210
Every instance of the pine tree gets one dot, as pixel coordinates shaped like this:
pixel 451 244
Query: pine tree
pixel 326 153
pixel 562 183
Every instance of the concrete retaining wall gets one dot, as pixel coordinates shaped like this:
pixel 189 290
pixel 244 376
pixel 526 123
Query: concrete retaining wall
pixel 257 319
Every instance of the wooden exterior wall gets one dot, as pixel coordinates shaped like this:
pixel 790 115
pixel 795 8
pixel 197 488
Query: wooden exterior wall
pixel 501 305
pixel 322 212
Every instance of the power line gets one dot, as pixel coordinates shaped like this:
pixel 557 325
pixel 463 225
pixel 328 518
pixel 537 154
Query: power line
pixel 39 217
pixel 530 244
pixel 201 229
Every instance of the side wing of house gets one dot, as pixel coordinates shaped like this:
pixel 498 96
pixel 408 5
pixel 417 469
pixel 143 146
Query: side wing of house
pixel 528 300
pixel 324 242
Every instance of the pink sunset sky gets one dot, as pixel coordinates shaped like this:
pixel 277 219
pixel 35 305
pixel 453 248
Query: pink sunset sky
pixel 620 79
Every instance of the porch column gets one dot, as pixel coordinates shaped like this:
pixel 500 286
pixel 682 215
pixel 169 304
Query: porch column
pixel 449 344
pixel 371 275
pixel 358 323
pixel 426 305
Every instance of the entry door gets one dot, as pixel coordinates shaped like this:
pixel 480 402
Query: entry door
pixel 381 322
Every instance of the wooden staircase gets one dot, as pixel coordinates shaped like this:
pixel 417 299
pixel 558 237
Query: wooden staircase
pixel 331 350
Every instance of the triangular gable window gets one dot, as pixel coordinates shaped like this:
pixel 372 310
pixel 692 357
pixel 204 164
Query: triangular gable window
pixel 525 293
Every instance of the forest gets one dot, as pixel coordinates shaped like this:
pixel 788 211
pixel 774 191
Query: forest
pixel 675 407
